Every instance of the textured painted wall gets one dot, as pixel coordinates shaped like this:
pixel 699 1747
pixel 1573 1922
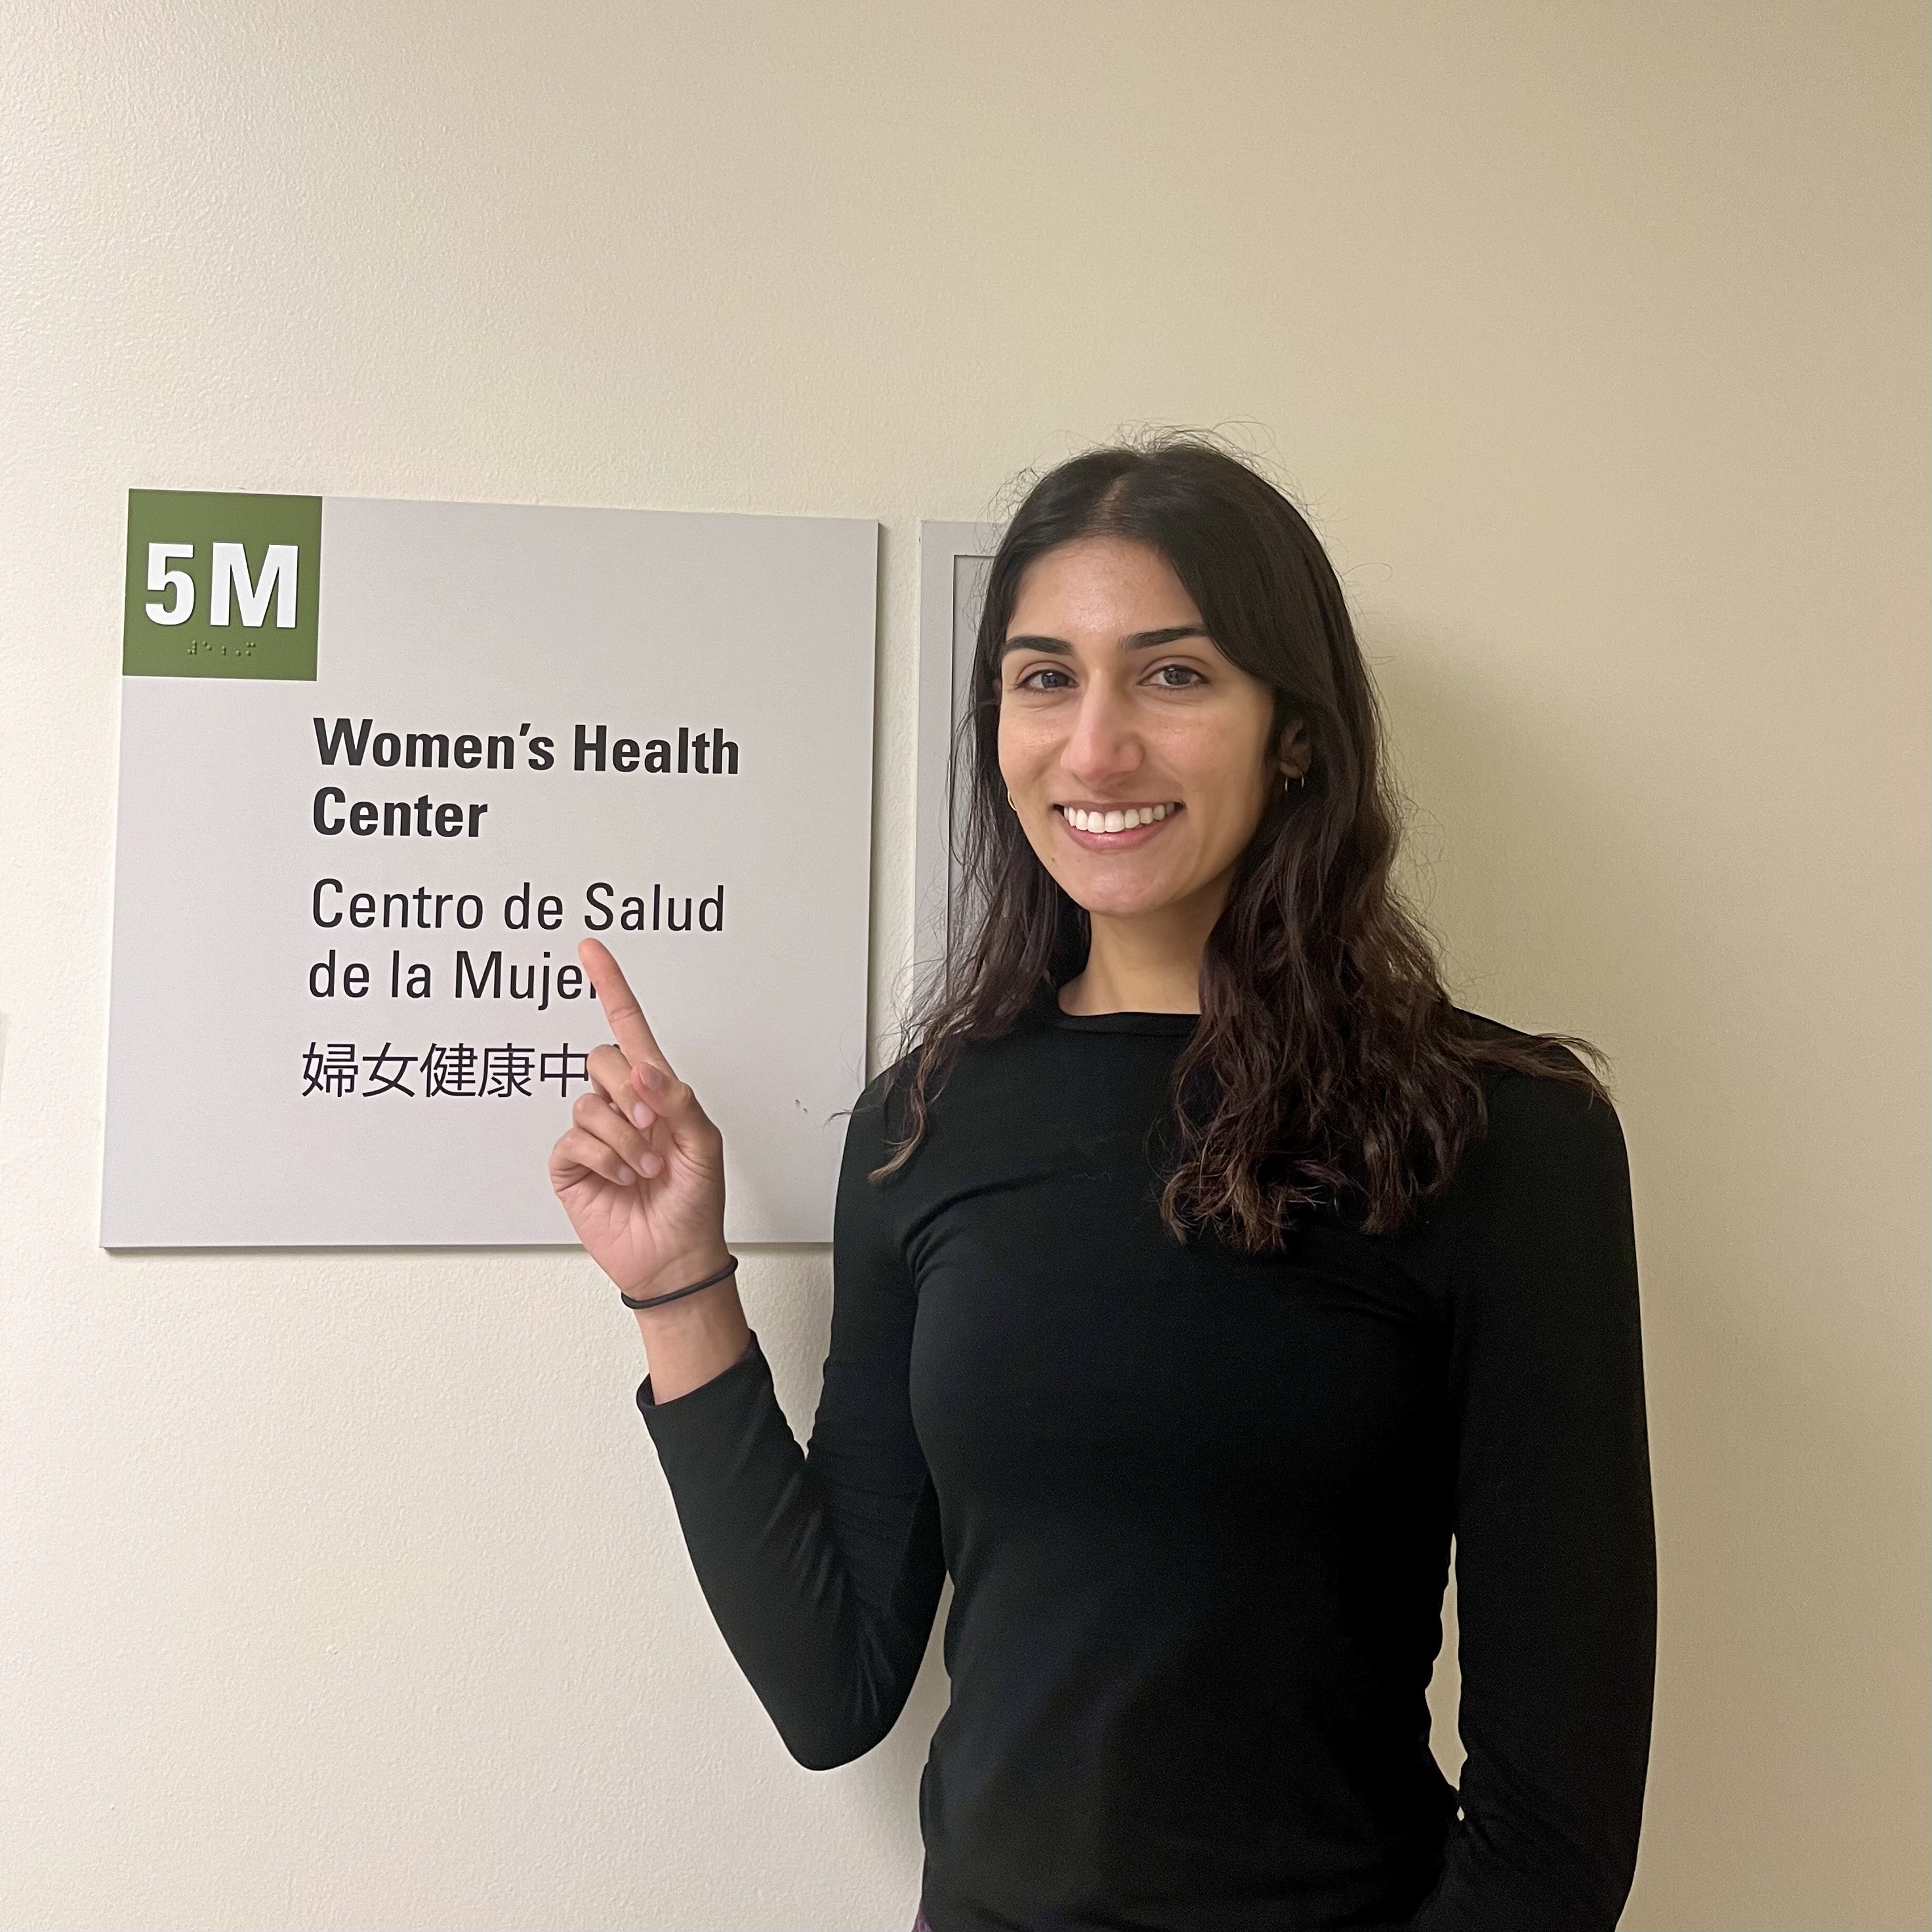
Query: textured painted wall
pixel 341 1589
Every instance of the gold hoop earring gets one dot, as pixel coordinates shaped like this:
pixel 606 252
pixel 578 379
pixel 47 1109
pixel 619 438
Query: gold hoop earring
pixel 1009 800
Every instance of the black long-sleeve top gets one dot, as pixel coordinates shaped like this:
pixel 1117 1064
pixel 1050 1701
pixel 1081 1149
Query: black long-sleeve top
pixel 1197 1508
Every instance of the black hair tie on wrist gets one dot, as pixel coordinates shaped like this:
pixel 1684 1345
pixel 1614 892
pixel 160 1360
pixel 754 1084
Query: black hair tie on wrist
pixel 678 1294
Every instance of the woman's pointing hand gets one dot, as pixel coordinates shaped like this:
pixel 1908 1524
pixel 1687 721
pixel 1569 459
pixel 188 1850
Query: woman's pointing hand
pixel 641 1170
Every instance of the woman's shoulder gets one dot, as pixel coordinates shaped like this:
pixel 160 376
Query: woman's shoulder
pixel 1540 1119
pixel 974 1091
pixel 889 1084
pixel 1484 1026
pixel 1030 1030
pixel 888 1092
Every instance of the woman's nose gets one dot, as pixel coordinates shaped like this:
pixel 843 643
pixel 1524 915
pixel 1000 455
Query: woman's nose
pixel 1105 743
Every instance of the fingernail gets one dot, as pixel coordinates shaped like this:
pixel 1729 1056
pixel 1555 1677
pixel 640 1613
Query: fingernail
pixel 653 1074
pixel 625 1178
pixel 641 1115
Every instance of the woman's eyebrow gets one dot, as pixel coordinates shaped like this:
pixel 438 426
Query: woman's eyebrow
pixel 1135 640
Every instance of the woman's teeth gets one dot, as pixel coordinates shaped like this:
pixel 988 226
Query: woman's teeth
pixel 1123 820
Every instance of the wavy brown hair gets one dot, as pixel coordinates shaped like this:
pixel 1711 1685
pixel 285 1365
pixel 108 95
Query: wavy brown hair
pixel 1329 1067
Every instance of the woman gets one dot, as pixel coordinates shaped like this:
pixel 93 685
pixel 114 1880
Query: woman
pixel 1200 1269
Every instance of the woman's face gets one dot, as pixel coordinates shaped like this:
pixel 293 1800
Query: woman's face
pixel 1138 756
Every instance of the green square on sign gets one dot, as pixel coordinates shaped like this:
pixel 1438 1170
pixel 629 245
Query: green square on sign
pixel 221 584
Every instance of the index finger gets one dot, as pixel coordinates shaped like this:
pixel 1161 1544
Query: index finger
pixel 629 1027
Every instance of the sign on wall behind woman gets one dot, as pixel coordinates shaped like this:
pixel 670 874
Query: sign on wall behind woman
pixel 384 764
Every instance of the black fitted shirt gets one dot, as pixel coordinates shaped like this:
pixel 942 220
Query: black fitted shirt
pixel 1197 1509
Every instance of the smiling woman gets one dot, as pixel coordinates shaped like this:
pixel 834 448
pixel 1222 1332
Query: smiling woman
pixel 1116 735
pixel 1200 1270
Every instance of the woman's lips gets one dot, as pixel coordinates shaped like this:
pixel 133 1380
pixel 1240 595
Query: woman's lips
pixel 1115 841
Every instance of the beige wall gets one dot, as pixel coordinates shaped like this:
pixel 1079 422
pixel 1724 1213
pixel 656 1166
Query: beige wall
pixel 340 1590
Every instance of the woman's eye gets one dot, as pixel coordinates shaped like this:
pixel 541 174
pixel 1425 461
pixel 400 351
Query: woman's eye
pixel 1187 675
pixel 1026 683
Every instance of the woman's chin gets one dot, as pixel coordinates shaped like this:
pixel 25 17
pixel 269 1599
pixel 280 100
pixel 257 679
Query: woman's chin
pixel 1121 899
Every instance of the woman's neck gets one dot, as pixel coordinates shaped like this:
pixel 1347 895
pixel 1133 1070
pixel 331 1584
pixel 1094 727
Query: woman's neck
pixel 1148 964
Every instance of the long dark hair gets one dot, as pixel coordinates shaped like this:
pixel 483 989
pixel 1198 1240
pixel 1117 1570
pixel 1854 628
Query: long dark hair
pixel 1329 1067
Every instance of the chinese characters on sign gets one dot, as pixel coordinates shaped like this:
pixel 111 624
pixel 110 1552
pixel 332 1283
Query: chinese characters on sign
pixel 458 1071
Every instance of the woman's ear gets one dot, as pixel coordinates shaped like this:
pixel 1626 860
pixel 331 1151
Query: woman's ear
pixel 1295 753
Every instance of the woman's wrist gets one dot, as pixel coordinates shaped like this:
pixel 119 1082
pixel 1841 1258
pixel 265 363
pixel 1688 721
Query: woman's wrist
pixel 703 1282
pixel 689 1341
pixel 712 1260
pixel 716 1307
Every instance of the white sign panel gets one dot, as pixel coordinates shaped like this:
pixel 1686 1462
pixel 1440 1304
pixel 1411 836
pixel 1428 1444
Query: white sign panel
pixel 384 764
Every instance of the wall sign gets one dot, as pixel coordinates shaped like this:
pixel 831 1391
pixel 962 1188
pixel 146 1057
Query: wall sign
pixel 383 764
